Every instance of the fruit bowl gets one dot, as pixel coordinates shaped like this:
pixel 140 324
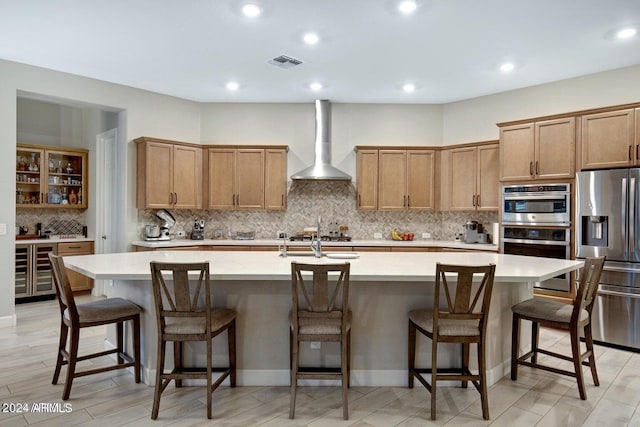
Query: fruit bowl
pixel 397 235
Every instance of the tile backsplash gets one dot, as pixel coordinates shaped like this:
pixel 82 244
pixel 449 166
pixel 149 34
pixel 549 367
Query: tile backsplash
pixel 335 202
pixel 60 221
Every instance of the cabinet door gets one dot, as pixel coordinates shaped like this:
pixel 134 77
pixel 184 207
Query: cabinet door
pixel 79 282
pixel 23 271
pixel 221 178
pixel 555 146
pixel 462 176
pixel 367 179
pixel 31 186
pixel 66 179
pixel 187 177
pixel 155 175
pixel 275 185
pixel 420 180
pixel 488 178
pixel 517 152
pixel 250 178
pixel 392 179
pixel 42 276
pixel 608 140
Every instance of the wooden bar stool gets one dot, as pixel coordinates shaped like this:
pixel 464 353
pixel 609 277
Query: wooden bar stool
pixel 462 322
pixel 75 317
pixel 320 313
pixel 184 316
pixel 571 318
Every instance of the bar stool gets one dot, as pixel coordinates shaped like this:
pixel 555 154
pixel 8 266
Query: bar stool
pixel 461 322
pixel 77 316
pixel 571 318
pixel 183 316
pixel 320 313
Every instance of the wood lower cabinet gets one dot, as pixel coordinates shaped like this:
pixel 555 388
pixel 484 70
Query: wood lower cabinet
pixel 538 150
pixel 169 174
pixel 471 180
pixel 79 282
pixel 608 139
pixel 33 270
pixel 395 179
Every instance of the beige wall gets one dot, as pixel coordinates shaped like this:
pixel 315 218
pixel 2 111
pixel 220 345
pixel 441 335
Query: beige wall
pixel 150 114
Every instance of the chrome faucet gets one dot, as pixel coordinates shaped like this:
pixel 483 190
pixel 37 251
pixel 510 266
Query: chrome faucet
pixel 316 241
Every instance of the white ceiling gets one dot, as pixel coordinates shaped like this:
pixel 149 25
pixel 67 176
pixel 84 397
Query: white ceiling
pixel 450 49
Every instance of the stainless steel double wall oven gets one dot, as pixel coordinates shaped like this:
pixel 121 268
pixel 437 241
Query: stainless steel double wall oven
pixel 536 221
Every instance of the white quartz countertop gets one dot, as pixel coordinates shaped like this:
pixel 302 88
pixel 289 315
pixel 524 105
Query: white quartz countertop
pixel 355 243
pixel 369 266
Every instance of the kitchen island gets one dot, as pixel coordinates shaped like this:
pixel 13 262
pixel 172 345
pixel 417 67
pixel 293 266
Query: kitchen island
pixel 384 287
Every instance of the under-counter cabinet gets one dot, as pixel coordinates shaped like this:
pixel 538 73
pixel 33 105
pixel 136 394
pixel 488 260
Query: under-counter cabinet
pixel 246 178
pixel 51 177
pixel 402 180
pixel 79 282
pixel 608 141
pixel 538 150
pixel 471 179
pixel 33 270
pixel 169 174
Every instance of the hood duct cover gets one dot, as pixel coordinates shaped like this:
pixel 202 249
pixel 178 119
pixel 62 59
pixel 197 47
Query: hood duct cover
pixel 322 168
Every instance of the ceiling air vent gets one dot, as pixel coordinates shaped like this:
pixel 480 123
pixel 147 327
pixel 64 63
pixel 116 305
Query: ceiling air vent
pixel 284 61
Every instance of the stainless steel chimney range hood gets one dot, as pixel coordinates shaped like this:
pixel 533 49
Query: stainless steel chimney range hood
pixel 322 170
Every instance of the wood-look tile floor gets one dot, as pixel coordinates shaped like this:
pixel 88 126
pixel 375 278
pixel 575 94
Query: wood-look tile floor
pixel 27 358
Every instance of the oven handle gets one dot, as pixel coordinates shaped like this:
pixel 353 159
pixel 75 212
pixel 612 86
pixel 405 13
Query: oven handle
pixel 617 294
pixel 536 242
pixel 510 196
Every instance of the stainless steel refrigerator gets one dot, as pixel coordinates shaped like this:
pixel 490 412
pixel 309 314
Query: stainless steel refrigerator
pixel 608 223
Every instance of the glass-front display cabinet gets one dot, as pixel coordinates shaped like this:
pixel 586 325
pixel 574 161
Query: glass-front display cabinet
pixel 51 177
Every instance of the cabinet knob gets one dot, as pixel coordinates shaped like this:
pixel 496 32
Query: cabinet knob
pixel 408 201
pixel 537 171
pixel 478 200
pixel 531 168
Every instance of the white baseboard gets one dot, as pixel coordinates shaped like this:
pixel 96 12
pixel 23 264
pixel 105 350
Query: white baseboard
pixel 7 321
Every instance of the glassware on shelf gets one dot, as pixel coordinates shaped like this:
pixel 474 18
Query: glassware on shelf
pixel 69 168
pixel 59 168
pixel 52 166
pixel 33 166
pixel 22 163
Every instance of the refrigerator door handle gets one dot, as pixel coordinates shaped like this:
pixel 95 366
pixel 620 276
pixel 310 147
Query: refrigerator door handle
pixel 618 294
pixel 632 217
pixel 623 223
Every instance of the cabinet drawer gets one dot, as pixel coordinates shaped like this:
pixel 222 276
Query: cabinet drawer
pixel 75 248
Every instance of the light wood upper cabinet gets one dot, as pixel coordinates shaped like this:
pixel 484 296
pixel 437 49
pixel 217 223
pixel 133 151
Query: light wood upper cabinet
pixel 247 178
pixel 392 179
pixel 420 179
pixel 472 178
pixel 169 174
pixel 395 179
pixel 555 146
pixel 608 139
pixel 275 184
pixel 540 150
pixel 367 179
pixel 51 177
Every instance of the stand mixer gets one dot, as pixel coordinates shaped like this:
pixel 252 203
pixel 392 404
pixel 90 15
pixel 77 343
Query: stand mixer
pixel 163 235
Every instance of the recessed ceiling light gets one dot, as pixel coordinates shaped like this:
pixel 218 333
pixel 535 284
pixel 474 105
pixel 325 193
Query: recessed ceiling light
pixel 407 7
pixel 408 87
pixel 626 33
pixel 311 38
pixel 233 86
pixel 507 67
pixel 251 10
pixel 315 86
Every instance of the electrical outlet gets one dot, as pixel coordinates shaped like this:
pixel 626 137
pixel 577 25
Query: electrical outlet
pixel 281 235
pixel 377 235
pixel 181 233
pixel 315 345
pixel 426 235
